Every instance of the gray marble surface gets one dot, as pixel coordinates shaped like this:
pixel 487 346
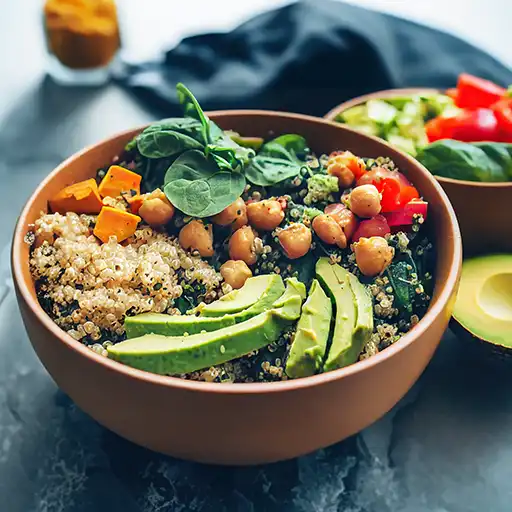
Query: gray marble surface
pixel 447 447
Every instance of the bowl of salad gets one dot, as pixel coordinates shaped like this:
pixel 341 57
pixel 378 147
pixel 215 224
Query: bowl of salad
pixel 236 287
pixel 463 136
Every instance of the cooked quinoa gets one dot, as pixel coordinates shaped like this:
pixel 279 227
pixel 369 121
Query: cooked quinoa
pixel 88 287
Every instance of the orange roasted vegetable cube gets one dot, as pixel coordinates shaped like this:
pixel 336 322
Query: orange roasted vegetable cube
pixel 119 180
pixel 135 202
pixel 81 197
pixel 112 221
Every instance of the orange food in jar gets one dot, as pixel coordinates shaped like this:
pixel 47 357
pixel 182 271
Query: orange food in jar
pixel 82 34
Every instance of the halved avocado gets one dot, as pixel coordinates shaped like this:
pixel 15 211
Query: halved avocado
pixel 484 302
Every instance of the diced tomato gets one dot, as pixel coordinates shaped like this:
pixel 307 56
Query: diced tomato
pixel 394 187
pixel 452 93
pixel 475 125
pixel 475 92
pixel 439 128
pixel 404 216
pixel 407 194
pixel 376 226
pixel 503 111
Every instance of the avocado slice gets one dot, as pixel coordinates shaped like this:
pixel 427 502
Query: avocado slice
pixel 178 325
pixel 309 345
pixel 174 325
pixel 484 302
pixel 268 287
pixel 353 323
pixel 173 355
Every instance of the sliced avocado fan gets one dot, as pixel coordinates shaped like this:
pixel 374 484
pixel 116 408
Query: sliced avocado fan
pixel 174 355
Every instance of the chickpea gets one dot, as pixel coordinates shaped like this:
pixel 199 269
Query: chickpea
pixel 345 176
pixel 241 245
pixel 365 201
pixel 329 231
pixel 156 209
pixel 235 215
pixel 373 255
pixel 265 215
pixel 295 240
pixel 235 273
pixel 344 217
pixel 196 236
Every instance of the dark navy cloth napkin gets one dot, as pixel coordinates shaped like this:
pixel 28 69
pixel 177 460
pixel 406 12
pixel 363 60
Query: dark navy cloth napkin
pixel 307 57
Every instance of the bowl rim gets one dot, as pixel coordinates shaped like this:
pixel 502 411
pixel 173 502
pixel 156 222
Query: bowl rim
pixel 256 388
pixel 391 93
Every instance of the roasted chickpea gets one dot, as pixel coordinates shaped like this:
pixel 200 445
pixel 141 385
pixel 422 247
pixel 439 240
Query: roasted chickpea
pixel 373 255
pixel 235 273
pixel 344 217
pixel 241 245
pixel 329 231
pixel 235 215
pixel 265 215
pixel 156 209
pixel 295 240
pixel 365 201
pixel 196 236
pixel 345 176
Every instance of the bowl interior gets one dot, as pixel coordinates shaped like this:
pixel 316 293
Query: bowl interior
pixel 323 137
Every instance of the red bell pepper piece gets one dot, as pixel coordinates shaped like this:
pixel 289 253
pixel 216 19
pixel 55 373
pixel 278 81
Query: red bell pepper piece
pixel 376 226
pixel 475 92
pixel 439 128
pixel 503 111
pixel 453 93
pixel 404 216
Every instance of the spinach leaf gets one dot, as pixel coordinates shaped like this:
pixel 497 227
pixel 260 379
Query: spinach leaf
pixel 197 187
pixel 400 275
pixel 463 161
pixel 192 109
pixel 169 137
pixel 267 170
pixel 289 147
pixel 222 140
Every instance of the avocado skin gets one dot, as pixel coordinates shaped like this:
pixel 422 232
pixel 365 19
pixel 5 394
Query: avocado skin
pixel 353 321
pixel 249 295
pixel 174 355
pixel 309 345
pixel 178 325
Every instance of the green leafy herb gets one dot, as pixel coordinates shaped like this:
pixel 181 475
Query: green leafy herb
pixel 165 143
pixel 196 186
pixel 192 109
pixel 289 147
pixel 266 170
pixel 486 161
pixel 222 140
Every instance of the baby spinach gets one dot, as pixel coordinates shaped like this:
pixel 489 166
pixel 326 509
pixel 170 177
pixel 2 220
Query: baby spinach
pixel 483 161
pixel 267 170
pixel 196 186
pixel 222 140
pixel 192 109
pixel 290 147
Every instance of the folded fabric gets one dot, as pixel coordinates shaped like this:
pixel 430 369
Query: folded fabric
pixel 308 57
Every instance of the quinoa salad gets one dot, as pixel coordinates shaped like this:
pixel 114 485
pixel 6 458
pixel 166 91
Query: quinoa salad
pixel 209 255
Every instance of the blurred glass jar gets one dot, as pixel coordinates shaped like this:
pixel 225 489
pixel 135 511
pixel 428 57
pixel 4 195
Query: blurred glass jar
pixel 82 38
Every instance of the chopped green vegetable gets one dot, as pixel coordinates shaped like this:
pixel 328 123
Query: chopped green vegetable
pixel 320 187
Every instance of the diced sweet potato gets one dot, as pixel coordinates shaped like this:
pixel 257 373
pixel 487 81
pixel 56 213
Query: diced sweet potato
pixel 119 180
pixel 112 221
pixel 135 202
pixel 81 197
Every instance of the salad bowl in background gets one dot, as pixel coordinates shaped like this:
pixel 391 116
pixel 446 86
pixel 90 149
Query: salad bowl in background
pixel 242 423
pixel 482 208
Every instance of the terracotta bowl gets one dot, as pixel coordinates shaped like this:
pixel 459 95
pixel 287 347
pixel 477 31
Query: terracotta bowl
pixel 241 423
pixel 482 209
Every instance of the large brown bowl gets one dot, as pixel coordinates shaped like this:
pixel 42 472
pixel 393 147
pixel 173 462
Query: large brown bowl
pixel 482 209
pixel 241 423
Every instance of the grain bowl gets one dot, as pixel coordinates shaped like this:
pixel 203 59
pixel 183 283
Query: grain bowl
pixel 228 423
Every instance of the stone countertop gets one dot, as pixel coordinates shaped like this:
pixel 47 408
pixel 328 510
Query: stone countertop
pixel 446 447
